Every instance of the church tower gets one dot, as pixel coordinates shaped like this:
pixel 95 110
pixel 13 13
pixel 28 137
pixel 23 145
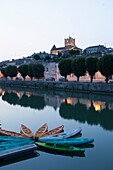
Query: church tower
pixel 69 42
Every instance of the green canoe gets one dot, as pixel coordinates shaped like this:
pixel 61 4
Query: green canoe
pixel 59 147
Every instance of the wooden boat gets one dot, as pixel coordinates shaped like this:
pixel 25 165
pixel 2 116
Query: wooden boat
pixel 26 131
pixel 63 135
pixel 41 130
pixel 70 141
pixel 11 133
pixel 53 131
pixel 59 147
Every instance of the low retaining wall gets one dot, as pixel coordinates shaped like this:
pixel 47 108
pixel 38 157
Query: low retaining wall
pixel 63 86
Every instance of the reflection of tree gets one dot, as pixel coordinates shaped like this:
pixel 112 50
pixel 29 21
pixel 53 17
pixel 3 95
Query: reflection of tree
pixel 66 111
pixel 92 115
pixel 82 108
pixel 76 112
pixel 80 113
pixel 24 101
pixel 11 98
pixel 36 102
pixel 106 119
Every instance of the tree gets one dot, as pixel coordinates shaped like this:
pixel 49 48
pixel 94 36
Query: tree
pixel 11 71
pixel 79 67
pixel 59 54
pixel 23 69
pixel 3 71
pixel 91 66
pixel 105 66
pixel 36 56
pixel 74 52
pixel 65 56
pixel 47 57
pixel 65 67
pixel 30 71
pixel 38 70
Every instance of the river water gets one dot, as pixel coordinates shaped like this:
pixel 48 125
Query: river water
pixel 93 113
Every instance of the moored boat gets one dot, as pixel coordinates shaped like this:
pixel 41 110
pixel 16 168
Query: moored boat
pixel 26 131
pixel 15 142
pixel 17 151
pixel 69 141
pixel 53 131
pixel 63 135
pixel 59 147
pixel 11 133
pixel 13 138
pixel 41 130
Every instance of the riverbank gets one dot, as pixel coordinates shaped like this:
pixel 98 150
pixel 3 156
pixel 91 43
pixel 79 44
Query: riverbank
pixel 87 87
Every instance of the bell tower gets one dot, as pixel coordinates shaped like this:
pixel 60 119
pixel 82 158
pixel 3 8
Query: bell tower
pixel 69 42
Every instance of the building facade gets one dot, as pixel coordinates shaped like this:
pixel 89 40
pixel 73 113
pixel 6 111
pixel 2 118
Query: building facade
pixel 69 44
pixel 95 49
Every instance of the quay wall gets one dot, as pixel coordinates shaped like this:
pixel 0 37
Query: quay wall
pixel 87 87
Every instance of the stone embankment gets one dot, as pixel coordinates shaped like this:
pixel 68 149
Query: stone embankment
pixel 62 86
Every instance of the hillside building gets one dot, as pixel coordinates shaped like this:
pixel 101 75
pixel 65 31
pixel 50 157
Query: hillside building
pixel 69 44
pixel 98 49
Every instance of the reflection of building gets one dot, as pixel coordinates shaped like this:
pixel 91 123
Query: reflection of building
pixel 69 45
pixel 110 106
pixel 52 101
pixel 99 105
pixel 2 92
pixel 86 102
pixel 69 100
pixel 19 94
pixel 31 99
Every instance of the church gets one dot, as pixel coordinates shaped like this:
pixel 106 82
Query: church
pixel 69 44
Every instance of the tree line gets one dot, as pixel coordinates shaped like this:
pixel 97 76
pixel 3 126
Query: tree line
pixel 79 66
pixel 32 70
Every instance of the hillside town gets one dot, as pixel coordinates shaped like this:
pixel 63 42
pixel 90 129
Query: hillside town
pixel 50 60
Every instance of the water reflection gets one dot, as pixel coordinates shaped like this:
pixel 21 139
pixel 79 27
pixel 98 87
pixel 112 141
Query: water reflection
pixel 93 109
pixel 18 158
pixel 36 102
pixel 62 153
pixel 80 113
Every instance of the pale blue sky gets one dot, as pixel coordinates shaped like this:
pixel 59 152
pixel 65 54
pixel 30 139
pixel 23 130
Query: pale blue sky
pixel 28 26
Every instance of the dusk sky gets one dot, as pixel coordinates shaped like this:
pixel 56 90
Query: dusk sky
pixel 28 26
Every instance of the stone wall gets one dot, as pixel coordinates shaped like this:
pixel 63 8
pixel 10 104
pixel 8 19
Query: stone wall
pixel 62 86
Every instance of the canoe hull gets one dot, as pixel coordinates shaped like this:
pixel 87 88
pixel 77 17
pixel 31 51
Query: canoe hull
pixel 59 147
pixel 70 141
pixel 18 151
pixel 7 143
pixel 41 130
pixel 12 138
pixel 26 131
pixel 53 131
pixel 63 135
pixel 11 133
